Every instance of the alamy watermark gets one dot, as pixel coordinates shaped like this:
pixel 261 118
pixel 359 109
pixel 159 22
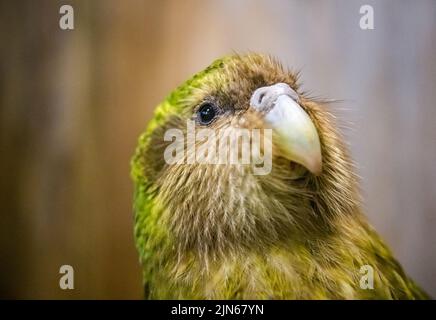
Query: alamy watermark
pixel 367 279
pixel 366 21
pixel 66 282
pixel 66 21
pixel 234 146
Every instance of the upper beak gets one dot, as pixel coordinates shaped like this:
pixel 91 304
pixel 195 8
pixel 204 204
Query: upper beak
pixel 293 129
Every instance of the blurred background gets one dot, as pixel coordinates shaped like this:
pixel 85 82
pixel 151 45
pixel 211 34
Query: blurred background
pixel 74 102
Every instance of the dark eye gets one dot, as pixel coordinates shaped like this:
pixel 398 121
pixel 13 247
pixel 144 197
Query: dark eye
pixel 206 113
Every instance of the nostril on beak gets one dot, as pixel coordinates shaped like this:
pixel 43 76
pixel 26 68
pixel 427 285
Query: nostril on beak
pixel 261 96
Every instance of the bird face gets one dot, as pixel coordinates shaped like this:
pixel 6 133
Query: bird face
pixel 241 96
pixel 275 108
pixel 216 206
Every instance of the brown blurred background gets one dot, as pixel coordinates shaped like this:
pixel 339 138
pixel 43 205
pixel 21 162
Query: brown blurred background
pixel 74 102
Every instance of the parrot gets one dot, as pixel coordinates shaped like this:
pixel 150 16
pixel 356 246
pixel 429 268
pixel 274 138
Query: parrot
pixel 221 231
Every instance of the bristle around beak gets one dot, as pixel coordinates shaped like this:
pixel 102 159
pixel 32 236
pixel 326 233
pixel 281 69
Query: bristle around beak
pixel 293 129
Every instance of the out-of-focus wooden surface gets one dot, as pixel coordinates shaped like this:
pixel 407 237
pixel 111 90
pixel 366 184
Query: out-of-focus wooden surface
pixel 74 102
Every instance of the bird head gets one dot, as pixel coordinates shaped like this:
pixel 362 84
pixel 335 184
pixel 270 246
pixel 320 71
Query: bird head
pixel 297 179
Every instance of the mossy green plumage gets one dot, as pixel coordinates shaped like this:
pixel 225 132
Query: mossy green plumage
pixel 218 232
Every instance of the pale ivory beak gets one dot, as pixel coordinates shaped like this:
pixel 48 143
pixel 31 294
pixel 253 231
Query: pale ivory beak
pixel 293 130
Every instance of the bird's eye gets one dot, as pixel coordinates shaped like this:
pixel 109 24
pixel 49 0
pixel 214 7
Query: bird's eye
pixel 206 113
